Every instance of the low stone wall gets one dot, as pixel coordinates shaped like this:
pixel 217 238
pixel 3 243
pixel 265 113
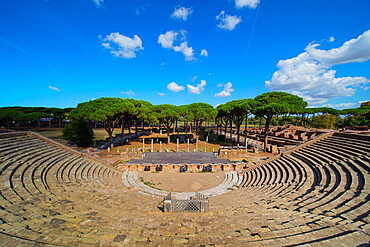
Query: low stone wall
pixel 12 134
pixel 176 167
pixel 356 136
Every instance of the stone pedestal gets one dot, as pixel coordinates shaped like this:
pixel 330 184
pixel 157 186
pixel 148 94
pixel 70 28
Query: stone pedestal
pixel 228 168
pixel 133 168
pixel 193 168
pixel 216 167
pixel 140 168
pixel 238 167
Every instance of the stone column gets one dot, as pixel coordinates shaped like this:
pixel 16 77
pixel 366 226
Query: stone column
pixel 177 142
pixel 160 146
pixel 143 145
pixel 152 146
pixel 188 145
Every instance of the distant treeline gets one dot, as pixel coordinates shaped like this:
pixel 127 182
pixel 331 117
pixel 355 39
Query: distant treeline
pixel 276 108
pixel 36 117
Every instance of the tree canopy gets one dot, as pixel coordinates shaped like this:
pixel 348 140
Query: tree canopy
pixel 270 104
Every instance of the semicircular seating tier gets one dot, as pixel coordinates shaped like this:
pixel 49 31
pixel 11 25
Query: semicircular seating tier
pixel 327 181
pixel 317 195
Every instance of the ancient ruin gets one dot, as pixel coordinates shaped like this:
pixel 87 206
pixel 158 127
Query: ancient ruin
pixel 316 193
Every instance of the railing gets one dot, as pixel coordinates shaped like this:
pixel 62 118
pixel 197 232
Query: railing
pixel 199 203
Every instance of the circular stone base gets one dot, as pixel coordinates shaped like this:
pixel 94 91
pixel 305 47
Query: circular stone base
pixel 182 182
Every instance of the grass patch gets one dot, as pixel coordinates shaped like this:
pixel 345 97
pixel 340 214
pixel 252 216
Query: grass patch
pixel 150 183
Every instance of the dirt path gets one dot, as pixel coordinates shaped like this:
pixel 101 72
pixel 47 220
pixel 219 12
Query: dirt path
pixel 182 182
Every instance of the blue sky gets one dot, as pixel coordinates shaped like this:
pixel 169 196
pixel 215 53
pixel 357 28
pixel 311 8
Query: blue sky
pixel 60 53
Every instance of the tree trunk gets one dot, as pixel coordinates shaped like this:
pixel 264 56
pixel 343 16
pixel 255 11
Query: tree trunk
pixel 267 129
pixel 136 124
pixel 143 127
pixel 231 129
pixel 129 129
pixel 178 130
pixel 168 137
pixel 123 129
pixel 190 127
pixel 109 131
pixel 186 130
pixel 302 118
pixel 277 120
pixel 196 133
pixel 246 128
pixel 238 134
pixel 38 124
pixel 216 122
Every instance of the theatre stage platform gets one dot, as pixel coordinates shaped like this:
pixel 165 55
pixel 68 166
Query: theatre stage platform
pixel 179 158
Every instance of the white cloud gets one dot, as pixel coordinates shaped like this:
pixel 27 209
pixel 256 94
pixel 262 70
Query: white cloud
pixel 331 39
pixel 167 40
pixel 160 94
pixel 204 52
pixel 220 85
pixel 247 3
pixel 184 49
pixel 198 88
pixel 54 88
pixel 340 106
pixel 181 13
pixel 354 50
pixel 124 47
pixel 98 3
pixel 309 75
pixel 227 90
pixel 227 22
pixel 129 93
pixel 174 87
pixel 194 78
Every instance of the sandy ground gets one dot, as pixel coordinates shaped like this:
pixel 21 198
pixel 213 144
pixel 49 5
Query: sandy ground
pixel 182 182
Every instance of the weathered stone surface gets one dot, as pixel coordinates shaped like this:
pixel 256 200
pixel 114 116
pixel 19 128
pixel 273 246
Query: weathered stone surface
pixel 119 238
pixel 282 203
